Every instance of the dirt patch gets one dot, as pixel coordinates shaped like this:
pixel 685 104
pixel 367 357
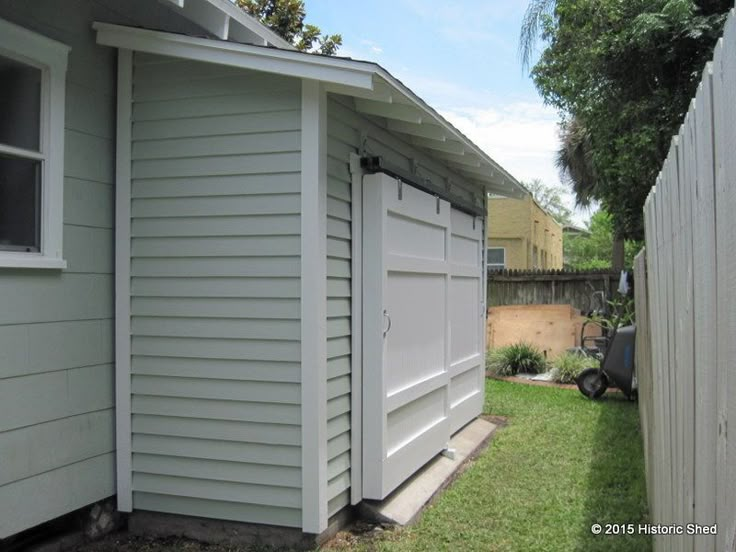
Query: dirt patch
pixel 498 421
pixel 124 542
pixel 360 533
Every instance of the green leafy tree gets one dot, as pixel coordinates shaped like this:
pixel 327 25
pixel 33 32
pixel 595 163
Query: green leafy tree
pixel 623 73
pixel 286 18
pixel 550 198
pixel 594 250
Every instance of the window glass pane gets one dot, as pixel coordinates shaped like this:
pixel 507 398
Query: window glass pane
pixel 495 255
pixel 20 104
pixel 20 204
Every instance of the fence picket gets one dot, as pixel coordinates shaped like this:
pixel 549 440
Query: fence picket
pixel 686 312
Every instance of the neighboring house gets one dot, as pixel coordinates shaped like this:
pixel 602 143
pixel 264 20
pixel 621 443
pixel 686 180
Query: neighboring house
pixel 229 272
pixel 572 230
pixel 522 235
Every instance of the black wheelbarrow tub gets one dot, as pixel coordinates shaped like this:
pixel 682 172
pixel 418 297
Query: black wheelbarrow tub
pixel 618 363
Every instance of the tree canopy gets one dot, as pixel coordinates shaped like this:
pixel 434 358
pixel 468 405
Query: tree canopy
pixel 623 72
pixel 549 197
pixel 595 250
pixel 286 18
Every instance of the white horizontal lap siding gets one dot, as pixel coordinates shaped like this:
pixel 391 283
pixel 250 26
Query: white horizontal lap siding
pixel 339 146
pixel 215 292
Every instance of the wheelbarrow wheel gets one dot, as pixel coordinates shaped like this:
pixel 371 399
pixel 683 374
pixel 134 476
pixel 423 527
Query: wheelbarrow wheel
pixel 592 382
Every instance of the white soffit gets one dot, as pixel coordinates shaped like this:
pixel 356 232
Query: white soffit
pixel 377 93
pixel 227 21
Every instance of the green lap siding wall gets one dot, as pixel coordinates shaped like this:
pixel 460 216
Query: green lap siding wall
pixel 215 292
pixel 56 326
pixel 339 256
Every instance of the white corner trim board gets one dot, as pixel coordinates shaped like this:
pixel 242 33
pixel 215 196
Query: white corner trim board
pixel 314 306
pixel 122 281
pixel 356 346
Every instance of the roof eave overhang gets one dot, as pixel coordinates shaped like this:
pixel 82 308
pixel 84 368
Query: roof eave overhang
pixel 227 21
pixel 376 92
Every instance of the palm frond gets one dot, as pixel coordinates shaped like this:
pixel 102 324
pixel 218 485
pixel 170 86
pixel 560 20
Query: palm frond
pixel 530 28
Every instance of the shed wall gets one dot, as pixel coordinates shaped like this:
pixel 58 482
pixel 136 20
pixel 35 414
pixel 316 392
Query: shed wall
pixel 56 328
pixel 339 243
pixel 215 285
pixel 350 132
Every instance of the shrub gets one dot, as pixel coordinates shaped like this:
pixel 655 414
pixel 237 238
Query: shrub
pixel 512 359
pixel 567 366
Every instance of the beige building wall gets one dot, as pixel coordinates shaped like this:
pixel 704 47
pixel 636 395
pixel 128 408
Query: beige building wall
pixel 531 238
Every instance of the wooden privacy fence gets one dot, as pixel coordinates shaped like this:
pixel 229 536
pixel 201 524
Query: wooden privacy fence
pixel 686 311
pixel 551 287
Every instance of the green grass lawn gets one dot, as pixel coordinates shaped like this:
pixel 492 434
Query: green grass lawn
pixel 562 463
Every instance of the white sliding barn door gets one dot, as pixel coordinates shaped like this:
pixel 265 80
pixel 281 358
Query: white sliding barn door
pixel 467 319
pixel 410 279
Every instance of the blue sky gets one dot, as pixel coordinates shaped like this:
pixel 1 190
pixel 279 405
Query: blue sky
pixel 461 57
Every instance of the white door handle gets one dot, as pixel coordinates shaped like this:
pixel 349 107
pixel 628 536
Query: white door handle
pixel 385 313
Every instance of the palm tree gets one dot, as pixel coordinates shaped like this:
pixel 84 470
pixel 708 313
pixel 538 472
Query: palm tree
pixel 575 161
pixel 530 28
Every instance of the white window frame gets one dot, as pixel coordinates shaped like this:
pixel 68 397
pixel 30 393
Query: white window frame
pixel 51 58
pixel 492 266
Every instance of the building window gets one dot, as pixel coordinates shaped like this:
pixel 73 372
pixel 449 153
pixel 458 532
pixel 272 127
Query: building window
pixel 496 258
pixel 32 73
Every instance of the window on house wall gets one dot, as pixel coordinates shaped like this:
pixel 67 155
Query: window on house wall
pixel 496 258
pixel 32 73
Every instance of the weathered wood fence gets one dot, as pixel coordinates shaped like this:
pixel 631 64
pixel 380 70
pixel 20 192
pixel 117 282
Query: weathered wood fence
pixel 551 287
pixel 686 313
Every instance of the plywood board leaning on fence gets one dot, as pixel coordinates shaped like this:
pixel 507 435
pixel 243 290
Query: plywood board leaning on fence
pixel 551 328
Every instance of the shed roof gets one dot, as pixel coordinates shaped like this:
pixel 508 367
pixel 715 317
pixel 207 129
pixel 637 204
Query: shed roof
pixel 376 92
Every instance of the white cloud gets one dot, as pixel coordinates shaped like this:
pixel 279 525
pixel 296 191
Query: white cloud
pixel 521 133
pixel 372 46
pixel 520 136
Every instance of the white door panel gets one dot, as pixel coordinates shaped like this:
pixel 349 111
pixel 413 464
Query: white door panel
pixel 467 319
pixel 410 403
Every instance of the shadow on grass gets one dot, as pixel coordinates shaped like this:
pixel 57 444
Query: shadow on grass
pixel 616 488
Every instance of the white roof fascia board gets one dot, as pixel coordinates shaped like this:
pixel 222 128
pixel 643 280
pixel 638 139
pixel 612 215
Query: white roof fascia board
pixel 258 58
pixel 405 106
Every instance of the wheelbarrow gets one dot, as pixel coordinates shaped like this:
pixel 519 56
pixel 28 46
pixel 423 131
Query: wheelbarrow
pixel 615 353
